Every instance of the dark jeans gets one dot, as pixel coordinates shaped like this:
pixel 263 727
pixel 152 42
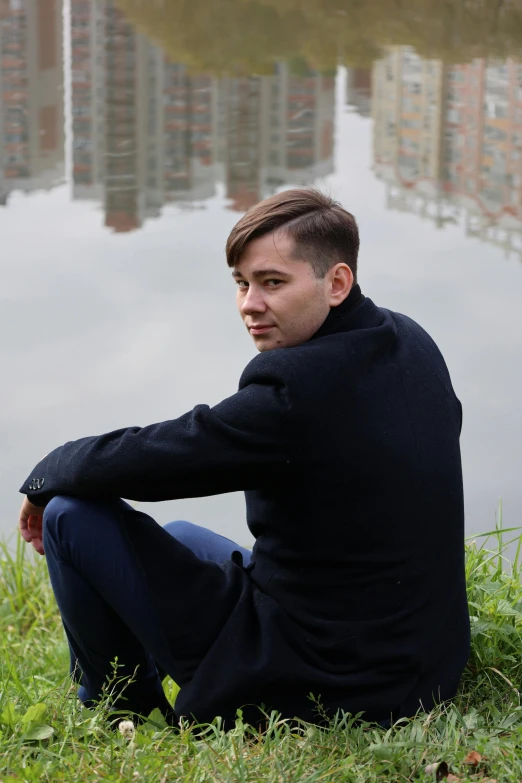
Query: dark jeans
pixel 131 590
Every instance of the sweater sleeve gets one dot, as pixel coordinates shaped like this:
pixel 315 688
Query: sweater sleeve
pixel 241 443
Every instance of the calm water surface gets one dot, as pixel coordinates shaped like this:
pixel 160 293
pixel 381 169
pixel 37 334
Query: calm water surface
pixel 134 134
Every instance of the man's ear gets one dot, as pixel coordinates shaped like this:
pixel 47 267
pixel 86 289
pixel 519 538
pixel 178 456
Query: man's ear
pixel 341 282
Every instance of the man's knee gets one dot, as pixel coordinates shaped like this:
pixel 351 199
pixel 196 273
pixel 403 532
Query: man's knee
pixel 60 506
pixel 64 512
pixel 57 512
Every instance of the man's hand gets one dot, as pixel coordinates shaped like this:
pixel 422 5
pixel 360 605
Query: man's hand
pixel 30 523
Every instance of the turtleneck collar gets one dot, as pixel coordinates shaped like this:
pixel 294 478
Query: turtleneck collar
pixel 337 318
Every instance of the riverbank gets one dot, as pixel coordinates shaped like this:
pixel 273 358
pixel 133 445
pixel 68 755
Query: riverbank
pixel 44 735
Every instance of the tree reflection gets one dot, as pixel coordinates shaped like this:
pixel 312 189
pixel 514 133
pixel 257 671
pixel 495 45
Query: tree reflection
pixel 225 34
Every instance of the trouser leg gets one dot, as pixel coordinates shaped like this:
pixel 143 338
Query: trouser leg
pixel 127 589
pixel 206 544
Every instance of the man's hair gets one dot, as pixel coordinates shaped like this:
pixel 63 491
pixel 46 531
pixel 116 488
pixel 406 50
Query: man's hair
pixel 323 233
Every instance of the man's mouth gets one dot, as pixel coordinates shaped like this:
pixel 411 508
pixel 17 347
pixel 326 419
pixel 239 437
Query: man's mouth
pixel 259 329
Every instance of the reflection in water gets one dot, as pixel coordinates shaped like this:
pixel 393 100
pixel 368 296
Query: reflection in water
pixel 253 33
pixel 448 142
pixel 31 96
pixel 147 132
pixel 359 90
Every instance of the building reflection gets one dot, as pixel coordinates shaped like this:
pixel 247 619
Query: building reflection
pixel 448 142
pixel 147 132
pixel 31 96
pixel 277 129
pixel 359 90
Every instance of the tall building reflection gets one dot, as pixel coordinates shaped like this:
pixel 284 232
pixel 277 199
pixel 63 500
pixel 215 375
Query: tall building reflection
pixel 359 90
pixel 147 132
pixel 278 129
pixel 448 142
pixel 31 96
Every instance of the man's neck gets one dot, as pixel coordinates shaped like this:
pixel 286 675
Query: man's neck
pixel 336 318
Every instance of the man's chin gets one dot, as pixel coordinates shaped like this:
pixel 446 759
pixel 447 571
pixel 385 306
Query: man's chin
pixel 269 344
pixel 265 343
pixel 263 346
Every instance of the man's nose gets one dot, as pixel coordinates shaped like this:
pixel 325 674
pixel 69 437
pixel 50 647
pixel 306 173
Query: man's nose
pixel 253 301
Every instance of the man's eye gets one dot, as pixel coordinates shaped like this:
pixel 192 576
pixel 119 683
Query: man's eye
pixel 272 283
pixel 242 283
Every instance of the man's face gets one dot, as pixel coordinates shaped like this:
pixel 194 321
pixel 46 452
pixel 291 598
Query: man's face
pixel 280 300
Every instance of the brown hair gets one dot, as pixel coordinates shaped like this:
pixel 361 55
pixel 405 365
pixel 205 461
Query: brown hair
pixel 324 234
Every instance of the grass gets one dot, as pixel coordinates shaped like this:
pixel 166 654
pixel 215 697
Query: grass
pixel 45 735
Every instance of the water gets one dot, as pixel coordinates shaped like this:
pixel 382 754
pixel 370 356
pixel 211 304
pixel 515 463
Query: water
pixel 131 144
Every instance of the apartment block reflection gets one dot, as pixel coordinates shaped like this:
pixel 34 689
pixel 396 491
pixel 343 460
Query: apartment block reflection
pixel 31 96
pixel 147 132
pixel 189 125
pixel 359 90
pixel 279 131
pixel 142 128
pixel 88 97
pixel 448 142
pixel 121 126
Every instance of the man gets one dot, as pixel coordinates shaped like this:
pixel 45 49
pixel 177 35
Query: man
pixel 344 435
